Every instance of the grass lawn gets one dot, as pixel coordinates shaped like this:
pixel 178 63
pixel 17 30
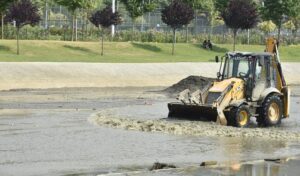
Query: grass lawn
pixel 124 52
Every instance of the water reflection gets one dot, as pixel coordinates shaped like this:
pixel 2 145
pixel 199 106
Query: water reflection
pixel 241 149
pixel 284 166
pixel 262 169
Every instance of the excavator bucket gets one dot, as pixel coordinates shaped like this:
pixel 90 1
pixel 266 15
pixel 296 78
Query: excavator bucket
pixel 204 105
pixel 192 112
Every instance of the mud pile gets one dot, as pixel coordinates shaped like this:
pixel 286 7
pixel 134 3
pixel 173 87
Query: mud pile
pixel 192 82
pixel 190 128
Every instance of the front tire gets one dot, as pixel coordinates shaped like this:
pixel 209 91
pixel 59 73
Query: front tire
pixel 271 112
pixel 239 116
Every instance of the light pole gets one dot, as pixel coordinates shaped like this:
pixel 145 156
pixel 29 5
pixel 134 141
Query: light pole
pixel 113 10
pixel 142 26
pixel 46 15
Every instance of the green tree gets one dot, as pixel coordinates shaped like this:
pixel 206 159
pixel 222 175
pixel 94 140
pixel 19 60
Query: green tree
pixel 22 13
pixel 3 8
pixel 176 15
pixel 137 8
pixel 294 17
pixel 221 5
pixel 267 27
pixel 240 14
pixel 195 4
pixel 72 6
pixel 275 10
pixel 104 19
pixel 289 25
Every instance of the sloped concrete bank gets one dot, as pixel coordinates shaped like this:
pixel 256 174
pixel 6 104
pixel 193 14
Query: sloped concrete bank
pixel 57 75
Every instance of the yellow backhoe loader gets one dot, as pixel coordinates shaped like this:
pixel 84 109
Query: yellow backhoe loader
pixel 247 85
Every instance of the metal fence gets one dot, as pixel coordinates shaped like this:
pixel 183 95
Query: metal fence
pixel 55 17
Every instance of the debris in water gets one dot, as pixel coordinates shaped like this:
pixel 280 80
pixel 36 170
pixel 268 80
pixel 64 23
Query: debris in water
pixel 158 166
pixel 278 160
pixel 273 160
pixel 209 163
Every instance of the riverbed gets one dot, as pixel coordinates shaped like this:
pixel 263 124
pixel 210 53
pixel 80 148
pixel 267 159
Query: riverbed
pixel 53 132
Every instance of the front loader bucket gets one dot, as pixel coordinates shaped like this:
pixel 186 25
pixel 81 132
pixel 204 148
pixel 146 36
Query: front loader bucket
pixel 192 112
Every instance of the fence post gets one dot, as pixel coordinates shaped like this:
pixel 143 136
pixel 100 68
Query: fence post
pixel 76 29
pixel 113 10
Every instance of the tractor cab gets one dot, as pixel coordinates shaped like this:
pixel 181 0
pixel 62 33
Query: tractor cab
pixel 253 68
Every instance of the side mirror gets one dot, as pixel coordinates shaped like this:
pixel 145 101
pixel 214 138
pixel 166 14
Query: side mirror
pixel 217 59
pixel 251 76
pixel 218 75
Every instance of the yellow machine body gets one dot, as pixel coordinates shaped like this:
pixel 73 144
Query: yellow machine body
pixel 232 92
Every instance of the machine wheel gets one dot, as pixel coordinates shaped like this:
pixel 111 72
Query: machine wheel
pixel 270 114
pixel 239 116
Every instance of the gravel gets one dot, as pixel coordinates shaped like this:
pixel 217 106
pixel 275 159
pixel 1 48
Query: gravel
pixel 190 128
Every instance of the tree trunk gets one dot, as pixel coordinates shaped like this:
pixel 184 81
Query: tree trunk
pixel 2 26
pixel 102 48
pixel 187 34
pixel 18 45
pixel 234 38
pixel 174 41
pixel 65 31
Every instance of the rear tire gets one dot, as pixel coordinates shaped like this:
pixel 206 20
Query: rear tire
pixel 271 112
pixel 239 116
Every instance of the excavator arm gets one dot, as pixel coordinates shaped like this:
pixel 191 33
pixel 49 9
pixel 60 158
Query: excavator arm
pixel 272 47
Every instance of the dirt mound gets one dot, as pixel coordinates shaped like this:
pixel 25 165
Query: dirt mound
pixel 192 82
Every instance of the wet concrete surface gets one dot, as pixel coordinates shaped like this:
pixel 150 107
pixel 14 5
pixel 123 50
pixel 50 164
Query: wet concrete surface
pixel 48 132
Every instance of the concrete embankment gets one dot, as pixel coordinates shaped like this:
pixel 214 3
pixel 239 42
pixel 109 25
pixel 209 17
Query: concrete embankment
pixel 58 75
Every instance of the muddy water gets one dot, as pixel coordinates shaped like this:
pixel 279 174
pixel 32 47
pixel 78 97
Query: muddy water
pixel 151 117
pixel 49 132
